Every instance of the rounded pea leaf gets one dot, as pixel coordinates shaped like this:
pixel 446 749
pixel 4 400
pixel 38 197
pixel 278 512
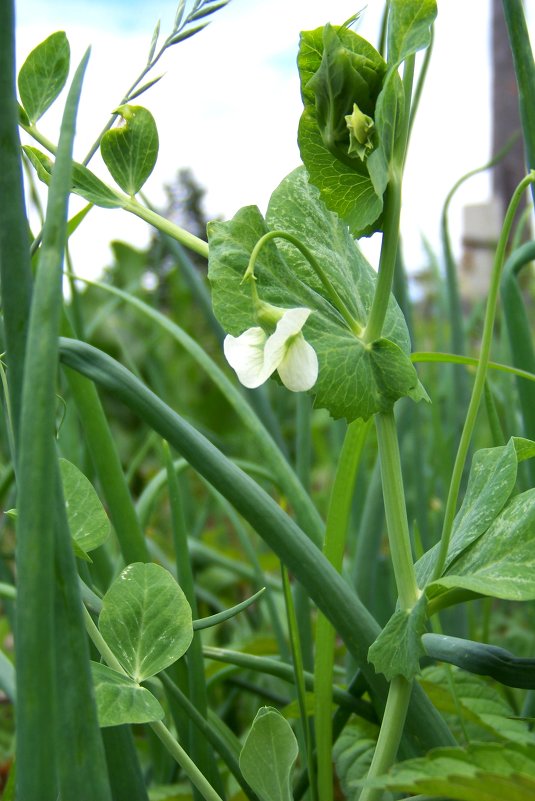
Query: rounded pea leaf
pixel 121 699
pixel 268 755
pixel 43 75
pixel 146 620
pixel 88 522
pixel 130 150
pixel 355 379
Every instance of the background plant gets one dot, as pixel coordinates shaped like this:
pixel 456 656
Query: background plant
pixel 241 616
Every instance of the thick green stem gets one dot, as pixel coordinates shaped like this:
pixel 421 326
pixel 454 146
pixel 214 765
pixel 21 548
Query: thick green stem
pixel 167 227
pixel 480 378
pixel 387 263
pixel 396 514
pixel 336 300
pixel 390 735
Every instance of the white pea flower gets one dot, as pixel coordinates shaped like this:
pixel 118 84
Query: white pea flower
pixel 255 356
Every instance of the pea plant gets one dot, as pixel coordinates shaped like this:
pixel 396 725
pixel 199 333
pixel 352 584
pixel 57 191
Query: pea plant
pixel 306 590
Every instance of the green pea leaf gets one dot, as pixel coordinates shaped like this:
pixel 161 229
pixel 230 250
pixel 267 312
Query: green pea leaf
pixel 398 648
pixel 352 753
pixel 146 620
pixel 490 483
pixel 88 522
pixel 501 563
pixel 339 69
pixel 481 706
pixel 84 182
pixel 130 151
pixel 409 27
pixel 476 772
pixel 268 755
pixel 43 75
pixel 121 699
pixel 355 380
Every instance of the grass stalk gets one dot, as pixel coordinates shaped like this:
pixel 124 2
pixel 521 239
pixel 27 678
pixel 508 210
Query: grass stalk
pixel 333 549
pixel 200 747
pixel 15 265
pixel 36 645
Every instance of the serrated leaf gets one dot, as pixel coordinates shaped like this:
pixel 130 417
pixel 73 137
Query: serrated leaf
pixel 121 700
pixel 88 522
pixel 409 27
pixel 345 184
pixel 501 563
pixel 483 708
pixel 479 772
pixel 268 756
pixel 84 182
pixel 146 620
pixel 492 479
pixel 355 380
pixel 44 74
pixel 398 648
pixel 352 753
pixel 130 150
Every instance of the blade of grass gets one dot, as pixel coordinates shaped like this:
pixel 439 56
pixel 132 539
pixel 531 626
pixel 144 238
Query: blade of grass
pixel 81 761
pixel 274 667
pixel 333 549
pixel 108 467
pixel 299 681
pixel 325 586
pixel 200 748
pixel 525 74
pixel 15 265
pixel 37 637
pixel 209 732
pixel 520 335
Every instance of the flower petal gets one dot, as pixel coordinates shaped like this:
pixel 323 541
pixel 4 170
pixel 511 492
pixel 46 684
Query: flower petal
pixel 245 354
pixel 288 326
pixel 299 368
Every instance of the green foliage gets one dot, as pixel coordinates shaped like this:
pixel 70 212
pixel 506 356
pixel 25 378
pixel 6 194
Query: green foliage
pixel 339 69
pixel 256 471
pixel 479 772
pixel 353 752
pixel 355 380
pixel 146 620
pixel 501 562
pixel 84 182
pixel 43 75
pixel 492 479
pixel 130 150
pixel 398 648
pixel 268 755
pixel 409 28
pixel 474 706
pixel 88 522
pixel 120 699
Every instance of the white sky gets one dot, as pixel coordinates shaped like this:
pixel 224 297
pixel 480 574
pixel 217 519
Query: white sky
pixel 229 104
